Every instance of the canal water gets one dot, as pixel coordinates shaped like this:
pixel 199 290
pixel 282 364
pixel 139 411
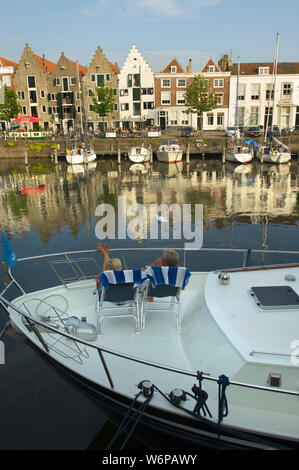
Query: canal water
pixel 47 208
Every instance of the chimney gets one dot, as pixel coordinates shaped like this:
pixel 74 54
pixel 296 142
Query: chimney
pixel 230 63
pixel 44 60
pixel 189 66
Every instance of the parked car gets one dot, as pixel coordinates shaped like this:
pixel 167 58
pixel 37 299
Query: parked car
pixel 187 132
pixel 275 131
pixel 231 130
pixel 254 131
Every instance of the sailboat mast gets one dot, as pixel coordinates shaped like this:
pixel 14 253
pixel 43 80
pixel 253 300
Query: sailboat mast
pixel 275 73
pixel 80 92
pixel 237 92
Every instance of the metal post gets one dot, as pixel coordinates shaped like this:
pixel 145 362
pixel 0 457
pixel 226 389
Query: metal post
pixel 188 154
pixel 151 154
pixel 55 157
pixel 26 157
pixel 118 155
pixel 223 155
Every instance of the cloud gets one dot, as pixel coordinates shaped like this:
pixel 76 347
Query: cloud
pixel 154 9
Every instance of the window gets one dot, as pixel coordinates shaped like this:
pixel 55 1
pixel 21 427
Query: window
pixel 90 92
pixel 165 97
pixel 65 84
pixel 6 80
pixel 136 79
pixel 107 77
pixel 218 83
pixel 129 80
pixel 185 122
pixel 136 109
pixel 77 95
pixel 42 94
pixel 210 68
pixel 21 95
pixel 32 96
pixel 263 70
pixel 115 108
pixel 24 110
pixel 220 119
pixel 114 91
pixel 180 97
pixel 269 91
pixel 240 116
pixel 181 83
pixel 124 107
pixel 165 83
pixel 173 69
pixel 255 91
pixel 219 97
pixel 73 81
pixel 58 81
pixel 148 105
pixel 31 81
pixel 78 109
pixel 285 116
pixel 287 90
pixel 93 78
pixel 241 91
pixel 90 107
pixel 173 118
pixel 210 117
pixel 53 97
pixel 136 94
pixel 254 116
pixel 124 92
pixel 100 79
pixel 43 109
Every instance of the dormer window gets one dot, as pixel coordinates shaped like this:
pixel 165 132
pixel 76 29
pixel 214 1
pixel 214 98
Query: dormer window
pixel 173 69
pixel 263 70
pixel 211 68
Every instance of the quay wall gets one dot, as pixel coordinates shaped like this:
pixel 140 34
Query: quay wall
pixel 209 146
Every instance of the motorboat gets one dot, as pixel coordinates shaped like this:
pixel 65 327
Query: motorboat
pixel 219 367
pixel 139 154
pixel 170 152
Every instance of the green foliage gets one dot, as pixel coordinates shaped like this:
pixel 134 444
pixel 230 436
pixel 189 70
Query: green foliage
pixel 38 146
pixel 54 146
pixel 10 109
pixel 105 102
pixel 9 143
pixel 198 98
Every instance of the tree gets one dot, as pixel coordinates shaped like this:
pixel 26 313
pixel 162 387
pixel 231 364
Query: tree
pixel 198 99
pixel 104 104
pixel 10 109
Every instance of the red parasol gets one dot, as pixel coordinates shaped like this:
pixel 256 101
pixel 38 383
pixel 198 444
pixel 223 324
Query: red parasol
pixel 27 119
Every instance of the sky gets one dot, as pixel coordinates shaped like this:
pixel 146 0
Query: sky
pixel 160 29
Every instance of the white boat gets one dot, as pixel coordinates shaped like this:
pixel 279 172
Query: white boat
pixel 76 169
pixel 79 155
pixel 222 371
pixel 139 154
pixel 239 153
pixel 273 150
pixel 170 152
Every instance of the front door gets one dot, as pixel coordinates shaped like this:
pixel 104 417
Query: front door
pixel 162 123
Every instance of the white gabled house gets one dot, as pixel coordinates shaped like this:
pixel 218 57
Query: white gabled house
pixel 136 92
pixel 257 100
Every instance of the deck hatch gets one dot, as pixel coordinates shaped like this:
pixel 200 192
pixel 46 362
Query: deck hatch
pixel 275 297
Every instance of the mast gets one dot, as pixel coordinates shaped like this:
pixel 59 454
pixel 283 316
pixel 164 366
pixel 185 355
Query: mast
pixel 272 90
pixel 237 93
pixel 80 92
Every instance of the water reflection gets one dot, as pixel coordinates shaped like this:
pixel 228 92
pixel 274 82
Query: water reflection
pixel 45 198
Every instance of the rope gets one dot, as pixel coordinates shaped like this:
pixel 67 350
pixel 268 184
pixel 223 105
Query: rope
pixel 223 382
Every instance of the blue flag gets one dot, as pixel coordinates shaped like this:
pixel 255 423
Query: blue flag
pixel 8 254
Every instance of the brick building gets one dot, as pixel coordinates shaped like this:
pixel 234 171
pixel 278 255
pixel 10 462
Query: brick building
pixel 100 70
pixel 7 75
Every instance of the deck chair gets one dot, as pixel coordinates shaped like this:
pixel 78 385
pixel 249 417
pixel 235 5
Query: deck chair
pixel 165 285
pixel 120 295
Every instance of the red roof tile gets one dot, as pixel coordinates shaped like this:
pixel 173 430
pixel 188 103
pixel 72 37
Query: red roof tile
pixel 82 69
pixel 115 68
pixel 173 63
pixel 46 65
pixel 253 68
pixel 7 62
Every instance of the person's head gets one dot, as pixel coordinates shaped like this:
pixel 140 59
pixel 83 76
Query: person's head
pixel 113 264
pixel 170 258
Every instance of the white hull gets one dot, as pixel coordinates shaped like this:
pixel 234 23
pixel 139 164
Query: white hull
pixel 233 156
pixel 77 159
pixel 273 157
pixel 169 154
pixel 223 331
pixel 139 154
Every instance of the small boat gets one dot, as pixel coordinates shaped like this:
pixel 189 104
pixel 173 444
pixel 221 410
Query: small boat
pixel 239 153
pixel 138 168
pixel 219 367
pixel 80 154
pixel 139 154
pixel 170 152
pixel 35 190
pixel 76 169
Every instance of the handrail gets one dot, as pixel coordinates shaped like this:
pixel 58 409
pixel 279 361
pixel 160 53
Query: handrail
pixel 139 360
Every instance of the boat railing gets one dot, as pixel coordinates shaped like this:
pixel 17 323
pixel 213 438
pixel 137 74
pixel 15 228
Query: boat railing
pixel 35 323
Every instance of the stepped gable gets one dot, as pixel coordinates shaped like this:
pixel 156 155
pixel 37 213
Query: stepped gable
pixel 99 52
pixel 135 51
pixel 210 63
pixel 173 63
pixel 253 68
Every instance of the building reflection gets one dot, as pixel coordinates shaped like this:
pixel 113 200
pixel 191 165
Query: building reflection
pixel 49 198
